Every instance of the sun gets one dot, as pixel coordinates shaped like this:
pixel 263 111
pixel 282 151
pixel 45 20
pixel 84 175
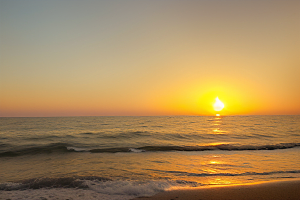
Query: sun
pixel 218 105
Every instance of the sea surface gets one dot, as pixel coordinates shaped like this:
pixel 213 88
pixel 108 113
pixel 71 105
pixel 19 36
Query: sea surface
pixel 127 157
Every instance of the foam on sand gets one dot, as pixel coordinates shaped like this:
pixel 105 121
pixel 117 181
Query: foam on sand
pixel 89 188
pixel 61 194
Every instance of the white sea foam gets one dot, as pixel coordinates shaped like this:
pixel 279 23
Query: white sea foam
pixel 60 194
pixel 10 185
pixel 129 187
pixel 136 150
pixel 76 149
pixel 104 190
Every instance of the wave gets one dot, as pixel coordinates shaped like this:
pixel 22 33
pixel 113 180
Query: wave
pixel 88 188
pixel 55 147
pixel 230 174
pixel 121 187
pixel 224 147
pixel 83 188
pixel 128 189
pixel 37 183
pixel 67 148
pixel 125 135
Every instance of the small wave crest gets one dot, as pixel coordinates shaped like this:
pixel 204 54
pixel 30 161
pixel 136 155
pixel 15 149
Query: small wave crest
pixel 136 150
pixel 77 149
pixel 230 174
pixel 223 147
pixel 65 148
pixel 50 148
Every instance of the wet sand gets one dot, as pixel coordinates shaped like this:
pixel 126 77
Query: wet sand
pixel 278 190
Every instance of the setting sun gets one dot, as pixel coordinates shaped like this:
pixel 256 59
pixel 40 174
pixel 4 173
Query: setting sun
pixel 218 105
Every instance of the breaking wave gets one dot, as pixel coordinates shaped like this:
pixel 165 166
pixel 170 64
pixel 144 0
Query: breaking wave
pixel 66 148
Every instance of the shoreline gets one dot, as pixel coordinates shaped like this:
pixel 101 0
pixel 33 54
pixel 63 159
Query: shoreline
pixel 274 190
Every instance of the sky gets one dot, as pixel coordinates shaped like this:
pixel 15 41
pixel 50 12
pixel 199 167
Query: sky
pixel 150 57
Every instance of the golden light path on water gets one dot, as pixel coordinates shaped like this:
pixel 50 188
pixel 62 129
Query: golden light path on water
pixel 217 161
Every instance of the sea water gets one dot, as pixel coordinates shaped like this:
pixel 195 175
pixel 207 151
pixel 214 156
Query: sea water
pixel 127 157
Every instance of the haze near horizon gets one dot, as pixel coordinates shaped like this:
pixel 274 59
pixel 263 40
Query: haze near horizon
pixel 88 58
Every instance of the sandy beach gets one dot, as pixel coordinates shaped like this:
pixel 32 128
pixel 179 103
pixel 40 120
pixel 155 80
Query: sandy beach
pixel 278 190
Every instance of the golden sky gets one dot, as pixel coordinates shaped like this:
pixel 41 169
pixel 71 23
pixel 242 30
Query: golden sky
pixel 68 58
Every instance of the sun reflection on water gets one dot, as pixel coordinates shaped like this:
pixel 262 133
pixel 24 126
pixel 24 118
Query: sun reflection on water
pixel 219 181
pixel 217 124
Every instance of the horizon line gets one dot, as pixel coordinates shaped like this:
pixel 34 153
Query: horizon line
pixel 147 116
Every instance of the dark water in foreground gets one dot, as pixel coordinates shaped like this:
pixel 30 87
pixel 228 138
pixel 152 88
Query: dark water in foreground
pixel 124 157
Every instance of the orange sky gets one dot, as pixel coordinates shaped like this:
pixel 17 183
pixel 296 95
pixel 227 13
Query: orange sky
pixel 74 58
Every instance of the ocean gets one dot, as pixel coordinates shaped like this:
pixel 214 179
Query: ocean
pixel 127 157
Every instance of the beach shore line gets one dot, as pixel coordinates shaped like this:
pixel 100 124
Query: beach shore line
pixel 277 190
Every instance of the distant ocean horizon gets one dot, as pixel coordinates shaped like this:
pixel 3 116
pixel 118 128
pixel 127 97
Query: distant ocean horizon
pixel 187 115
pixel 122 157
